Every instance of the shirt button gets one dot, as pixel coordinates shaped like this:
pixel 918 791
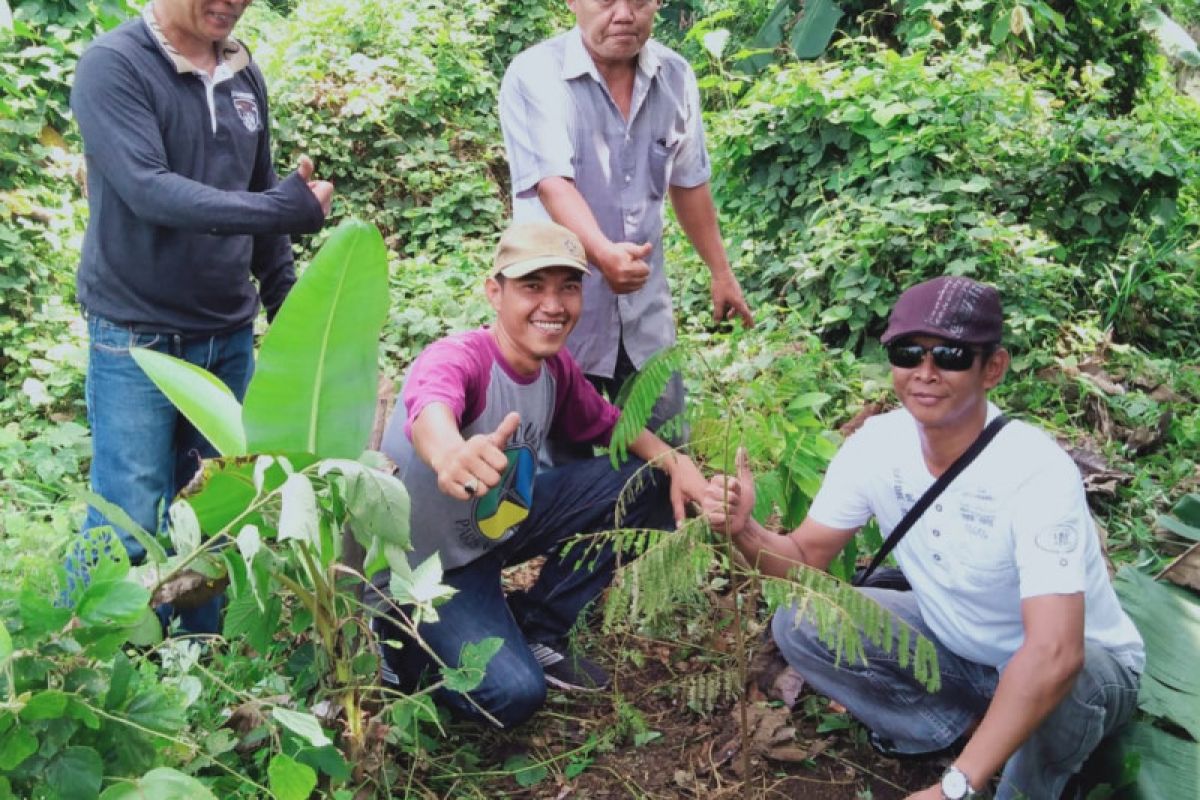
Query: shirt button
pixel 936 532
pixel 938 507
pixel 937 556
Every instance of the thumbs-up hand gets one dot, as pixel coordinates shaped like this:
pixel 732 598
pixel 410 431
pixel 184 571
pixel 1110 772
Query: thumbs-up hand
pixel 728 501
pixel 624 266
pixel 322 190
pixel 475 466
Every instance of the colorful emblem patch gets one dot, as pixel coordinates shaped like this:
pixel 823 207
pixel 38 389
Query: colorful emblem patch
pixel 246 105
pixel 507 504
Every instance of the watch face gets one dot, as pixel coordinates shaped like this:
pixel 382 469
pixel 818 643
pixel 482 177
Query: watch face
pixel 954 785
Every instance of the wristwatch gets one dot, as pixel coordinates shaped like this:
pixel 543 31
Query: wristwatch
pixel 955 785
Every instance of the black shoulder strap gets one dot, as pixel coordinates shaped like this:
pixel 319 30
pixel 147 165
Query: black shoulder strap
pixel 914 513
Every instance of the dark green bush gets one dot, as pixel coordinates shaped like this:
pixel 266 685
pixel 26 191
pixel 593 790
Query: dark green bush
pixel 843 182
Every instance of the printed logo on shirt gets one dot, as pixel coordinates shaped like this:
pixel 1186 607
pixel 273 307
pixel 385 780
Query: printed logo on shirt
pixel 1061 539
pixel 507 504
pixel 246 105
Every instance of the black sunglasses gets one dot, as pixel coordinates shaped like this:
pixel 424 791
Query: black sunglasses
pixel 951 357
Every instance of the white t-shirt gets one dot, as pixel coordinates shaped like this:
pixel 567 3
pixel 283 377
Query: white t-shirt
pixel 1014 524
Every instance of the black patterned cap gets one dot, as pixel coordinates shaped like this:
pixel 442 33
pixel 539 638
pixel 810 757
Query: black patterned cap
pixel 951 307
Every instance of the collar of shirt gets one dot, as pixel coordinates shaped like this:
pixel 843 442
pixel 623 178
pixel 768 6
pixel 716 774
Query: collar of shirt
pixel 232 54
pixel 577 61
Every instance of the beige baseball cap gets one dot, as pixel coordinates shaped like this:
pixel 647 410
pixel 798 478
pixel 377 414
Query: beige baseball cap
pixel 530 246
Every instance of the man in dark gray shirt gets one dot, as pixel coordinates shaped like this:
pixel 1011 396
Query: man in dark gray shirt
pixel 185 208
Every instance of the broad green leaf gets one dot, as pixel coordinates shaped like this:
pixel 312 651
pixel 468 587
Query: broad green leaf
pixel 298 513
pixel 112 602
pixel 303 725
pixel 244 618
pixel 16 745
pixel 314 386
pixel 200 396
pixel 473 661
pixel 184 528
pixel 158 708
pixel 50 704
pixel 291 780
pixel 1169 620
pixel 76 773
pixel 525 771
pixel 377 501
pixel 148 631
pixel 815 28
pixel 162 783
pixel 6 645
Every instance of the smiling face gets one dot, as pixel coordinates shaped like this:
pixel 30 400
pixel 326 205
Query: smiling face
pixel 195 24
pixel 614 31
pixel 535 314
pixel 945 399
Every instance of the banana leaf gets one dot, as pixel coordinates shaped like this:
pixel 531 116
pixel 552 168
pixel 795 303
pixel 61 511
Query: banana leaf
pixel 1168 618
pixel 1184 519
pixel 200 396
pixel 314 386
pixel 1144 762
pixel 815 28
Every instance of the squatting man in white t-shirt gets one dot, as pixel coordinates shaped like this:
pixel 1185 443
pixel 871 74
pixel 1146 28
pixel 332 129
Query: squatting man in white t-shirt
pixel 1037 660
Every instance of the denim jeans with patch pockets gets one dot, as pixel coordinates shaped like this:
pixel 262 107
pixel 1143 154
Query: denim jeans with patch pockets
pixel 579 497
pixel 887 699
pixel 143 450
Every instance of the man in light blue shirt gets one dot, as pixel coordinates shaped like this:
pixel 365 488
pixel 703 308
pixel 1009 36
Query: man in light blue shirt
pixel 601 124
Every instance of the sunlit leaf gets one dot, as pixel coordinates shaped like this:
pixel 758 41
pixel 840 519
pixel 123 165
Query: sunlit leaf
pixel 377 502
pixel 314 385
pixel 472 663
pixel 291 780
pixel 200 396
pixel 184 528
pixel 298 514
pixel 303 725
pixel 162 783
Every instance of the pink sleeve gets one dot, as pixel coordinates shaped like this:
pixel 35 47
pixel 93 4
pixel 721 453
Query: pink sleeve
pixel 450 372
pixel 580 413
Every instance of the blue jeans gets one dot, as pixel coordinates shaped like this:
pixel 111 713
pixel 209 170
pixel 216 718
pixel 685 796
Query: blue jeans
pixel 577 498
pixel 887 699
pixel 143 450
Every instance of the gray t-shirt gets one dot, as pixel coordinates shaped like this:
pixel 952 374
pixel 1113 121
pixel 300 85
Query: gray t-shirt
pixel 467 373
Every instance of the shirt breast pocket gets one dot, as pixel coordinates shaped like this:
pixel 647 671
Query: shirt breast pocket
pixel 662 151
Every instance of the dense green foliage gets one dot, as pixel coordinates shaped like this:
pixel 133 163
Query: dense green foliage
pixel 1042 145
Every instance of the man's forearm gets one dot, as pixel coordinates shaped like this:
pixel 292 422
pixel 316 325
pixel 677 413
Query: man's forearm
pixel 697 216
pixel 568 208
pixel 1030 688
pixel 769 552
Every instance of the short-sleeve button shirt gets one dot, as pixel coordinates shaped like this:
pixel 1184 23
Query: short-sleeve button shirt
pixel 559 119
